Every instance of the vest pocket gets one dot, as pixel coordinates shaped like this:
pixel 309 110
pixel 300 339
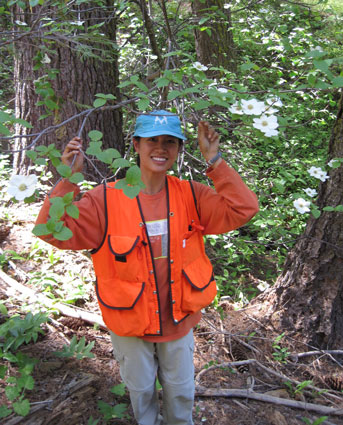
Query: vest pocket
pixel 128 255
pixel 198 285
pixel 124 306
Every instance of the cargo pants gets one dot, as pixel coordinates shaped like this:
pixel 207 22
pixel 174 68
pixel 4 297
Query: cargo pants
pixel 141 362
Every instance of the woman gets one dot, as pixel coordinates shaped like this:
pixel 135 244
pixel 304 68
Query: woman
pixel 153 276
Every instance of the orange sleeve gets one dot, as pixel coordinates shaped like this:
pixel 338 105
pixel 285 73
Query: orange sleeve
pixel 89 229
pixel 229 206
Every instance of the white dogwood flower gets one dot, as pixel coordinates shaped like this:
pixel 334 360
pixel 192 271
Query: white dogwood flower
pixel 310 192
pixel 267 124
pixel 21 187
pixel 222 90
pixel 236 108
pixel 323 176
pixel 301 205
pixel 333 163
pixel 199 66
pixel 253 107
pixel 274 101
pixel 318 173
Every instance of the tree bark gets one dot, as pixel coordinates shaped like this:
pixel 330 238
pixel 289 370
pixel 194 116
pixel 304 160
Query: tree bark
pixel 216 48
pixel 76 83
pixel 308 296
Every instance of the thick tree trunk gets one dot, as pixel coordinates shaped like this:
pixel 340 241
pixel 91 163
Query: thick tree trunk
pixel 217 48
pixel 75 85
pixel 308 296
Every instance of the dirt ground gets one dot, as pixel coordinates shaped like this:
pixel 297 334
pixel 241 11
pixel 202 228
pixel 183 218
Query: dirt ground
pixel 67 390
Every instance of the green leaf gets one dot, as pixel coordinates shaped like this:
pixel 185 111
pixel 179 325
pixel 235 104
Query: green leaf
pixel 64 234
pixel 162 82
pixel 99 102
pixel 31 154
pixel 57 226
pixel 73 211
pixel 4 411
pixel 120 184
pixel 50 104
pixel 337 81
pixel 26 382
pixel 119 389
pixel 133 175
pixel 22 408
pixel 40 161
pixel 105 96
pixel 34 3
pixel 131 191
pixel 322 65
pixel 12 392
pixel 4 130
pixel 56 210
pixel 108 155
pixel 120 162
pixel 51 225
pixel 41 230
pixel 202 104
pixel 315 212
pixel 64 170
pixel 5 117
pixel 173 94
pixel 94 148
pixel 23 123
pixel 76 178
pixel 68 198
pixel 143 103
pixel 95 136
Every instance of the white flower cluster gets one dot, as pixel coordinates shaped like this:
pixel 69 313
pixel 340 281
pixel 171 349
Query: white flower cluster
pixel 318 173
pixel 300 204
pixel 267 122
pixel 21 187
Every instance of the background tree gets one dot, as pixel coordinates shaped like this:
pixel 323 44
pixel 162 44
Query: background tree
pixel 66 57
pixel 213 33
pixel 308 296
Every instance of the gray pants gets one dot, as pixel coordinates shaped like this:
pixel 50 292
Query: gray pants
pixel 141 361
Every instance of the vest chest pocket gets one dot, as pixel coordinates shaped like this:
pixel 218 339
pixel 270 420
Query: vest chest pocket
pixel 128 257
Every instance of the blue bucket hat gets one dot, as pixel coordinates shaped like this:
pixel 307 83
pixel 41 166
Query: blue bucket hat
pixel 157 123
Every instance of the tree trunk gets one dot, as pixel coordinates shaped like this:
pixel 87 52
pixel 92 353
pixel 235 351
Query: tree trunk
pixel 308 296
pixel 217 47
pixel 75 85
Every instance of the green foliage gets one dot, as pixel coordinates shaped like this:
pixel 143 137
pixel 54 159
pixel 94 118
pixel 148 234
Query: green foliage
pixel 280 353
pixel 317 421
pixel 77 349
pixel 18 331
pixel 13 333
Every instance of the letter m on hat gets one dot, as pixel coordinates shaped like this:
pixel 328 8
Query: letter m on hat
pixel 161 120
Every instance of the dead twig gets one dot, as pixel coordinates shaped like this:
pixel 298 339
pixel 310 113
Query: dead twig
pixel 236 393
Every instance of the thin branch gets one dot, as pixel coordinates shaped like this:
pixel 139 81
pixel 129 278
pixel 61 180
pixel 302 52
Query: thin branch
pixel 214 392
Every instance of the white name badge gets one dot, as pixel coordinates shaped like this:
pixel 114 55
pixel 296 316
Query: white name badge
pixel 158 227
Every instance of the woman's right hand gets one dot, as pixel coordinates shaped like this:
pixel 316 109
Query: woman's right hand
pixel 73 148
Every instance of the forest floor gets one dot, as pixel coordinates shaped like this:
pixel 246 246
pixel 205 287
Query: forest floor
pixel 67 390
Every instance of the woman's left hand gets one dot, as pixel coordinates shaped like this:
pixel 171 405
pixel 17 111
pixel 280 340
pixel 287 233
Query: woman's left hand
pixel 208 140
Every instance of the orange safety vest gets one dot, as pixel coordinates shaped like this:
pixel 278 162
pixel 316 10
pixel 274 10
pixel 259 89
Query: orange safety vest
pixel 126 284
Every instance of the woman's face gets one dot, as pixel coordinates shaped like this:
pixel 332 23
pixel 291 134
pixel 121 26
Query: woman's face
pixel 157 154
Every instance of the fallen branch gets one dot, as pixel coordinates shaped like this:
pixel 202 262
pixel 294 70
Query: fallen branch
pixel 266 369
pixel 236 393
pixel 12 285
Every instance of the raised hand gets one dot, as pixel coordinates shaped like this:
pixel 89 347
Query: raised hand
pixel 208 140
pixel 71 151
